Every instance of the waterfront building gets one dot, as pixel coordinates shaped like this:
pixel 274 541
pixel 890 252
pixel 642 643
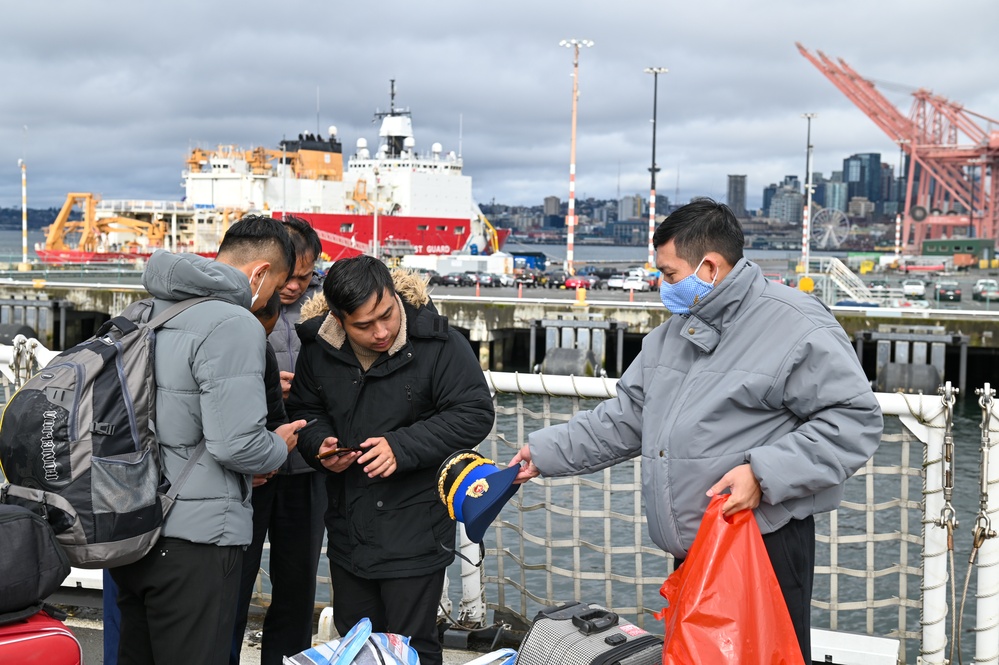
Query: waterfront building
pixel 834 195
pixel 862 173
pixel 787 205
pixel 768 194
pixel 631 207
pixel 860 207
pixel 818 190
pixel 737 195
pixel 634 231
pixel 552 205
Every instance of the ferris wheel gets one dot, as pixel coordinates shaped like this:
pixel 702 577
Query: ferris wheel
pixel 830 227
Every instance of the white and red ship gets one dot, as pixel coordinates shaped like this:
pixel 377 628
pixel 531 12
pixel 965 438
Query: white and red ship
pixel 396 202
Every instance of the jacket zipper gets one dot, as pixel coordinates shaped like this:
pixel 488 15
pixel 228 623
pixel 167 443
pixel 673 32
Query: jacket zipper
pixel 346 501
pixel 287 329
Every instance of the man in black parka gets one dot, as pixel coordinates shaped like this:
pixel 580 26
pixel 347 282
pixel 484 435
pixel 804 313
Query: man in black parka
pixel 383 373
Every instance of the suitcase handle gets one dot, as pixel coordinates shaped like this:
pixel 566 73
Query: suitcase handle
pixel 594 621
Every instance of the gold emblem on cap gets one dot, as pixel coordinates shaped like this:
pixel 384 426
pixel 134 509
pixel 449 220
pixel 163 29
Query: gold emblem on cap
pixel 479 461
pixel 478 488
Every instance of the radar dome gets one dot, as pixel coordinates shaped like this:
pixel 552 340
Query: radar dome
pixel 362 143
pixel 409 142
pixel 331 130
pixel 436 148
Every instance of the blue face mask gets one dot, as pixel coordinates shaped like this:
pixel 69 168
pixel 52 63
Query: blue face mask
pixel 680 297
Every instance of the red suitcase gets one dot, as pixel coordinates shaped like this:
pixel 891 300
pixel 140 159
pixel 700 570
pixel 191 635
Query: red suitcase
pixel 39 639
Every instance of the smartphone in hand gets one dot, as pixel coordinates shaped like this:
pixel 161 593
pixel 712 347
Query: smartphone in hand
pixel 336 452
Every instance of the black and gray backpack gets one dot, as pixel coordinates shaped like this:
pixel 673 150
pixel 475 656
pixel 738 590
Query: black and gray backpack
pixel 78 443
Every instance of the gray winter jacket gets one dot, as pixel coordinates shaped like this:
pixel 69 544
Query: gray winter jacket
pixel 209 366
pixel 284 337
pixel 286 344
pixel 758 373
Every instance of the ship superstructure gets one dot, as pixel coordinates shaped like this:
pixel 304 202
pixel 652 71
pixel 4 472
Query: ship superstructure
pixel 398 201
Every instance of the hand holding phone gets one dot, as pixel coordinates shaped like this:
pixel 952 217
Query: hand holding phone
pixel 311 422
pixel 337 452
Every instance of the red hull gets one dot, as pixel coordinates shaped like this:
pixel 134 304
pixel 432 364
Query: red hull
pixel 345 235
pixel 342 236
pixel 79 256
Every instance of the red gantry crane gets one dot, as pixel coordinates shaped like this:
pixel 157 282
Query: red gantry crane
pixel 956 183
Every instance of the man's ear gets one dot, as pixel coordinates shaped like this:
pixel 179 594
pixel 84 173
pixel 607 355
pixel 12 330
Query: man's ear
pixel 258 268
pixel 716 263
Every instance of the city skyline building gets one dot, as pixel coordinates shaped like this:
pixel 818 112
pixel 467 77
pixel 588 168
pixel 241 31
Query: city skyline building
pixel 862 173
pixel 737 195
pixel 787 205
pixel 630 207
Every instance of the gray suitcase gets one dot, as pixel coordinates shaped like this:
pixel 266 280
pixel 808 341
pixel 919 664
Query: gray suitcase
pixel 586 634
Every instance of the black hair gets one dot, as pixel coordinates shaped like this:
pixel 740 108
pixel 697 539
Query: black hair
pixel 350 282
pixel 702 226
pixel 258 237
pixel 270 308
pixel 303 237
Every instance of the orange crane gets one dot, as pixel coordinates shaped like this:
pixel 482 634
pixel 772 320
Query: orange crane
pixel 952 176
pixel 90 229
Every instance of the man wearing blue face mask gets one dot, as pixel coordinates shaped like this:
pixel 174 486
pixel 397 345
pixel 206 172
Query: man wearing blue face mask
pixel 750 387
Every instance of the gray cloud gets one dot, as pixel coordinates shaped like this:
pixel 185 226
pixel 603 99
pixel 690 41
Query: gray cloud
pixel 114 93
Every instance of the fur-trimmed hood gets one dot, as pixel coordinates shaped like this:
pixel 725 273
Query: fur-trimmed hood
pixel 412 290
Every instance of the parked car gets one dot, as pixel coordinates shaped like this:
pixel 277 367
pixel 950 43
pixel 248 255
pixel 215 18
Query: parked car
pixel 432 276
pixel 878 285
pixel 913 288
pixel 616 282
pixel 583 281
pixel 503 279
pixel 485 279
pixel 457 279
pixel 635 283
pixel 556 279
pixel 985 289
pixel 527 278
pixel 949 291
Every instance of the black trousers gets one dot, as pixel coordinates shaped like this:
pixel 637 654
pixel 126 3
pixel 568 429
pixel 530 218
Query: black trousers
pixel 178 604
pixel 405 605
pixel 792 554
pixel 288 511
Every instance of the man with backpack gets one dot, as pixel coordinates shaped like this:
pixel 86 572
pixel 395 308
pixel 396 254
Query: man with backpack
pixel 287 509
pixel 178 602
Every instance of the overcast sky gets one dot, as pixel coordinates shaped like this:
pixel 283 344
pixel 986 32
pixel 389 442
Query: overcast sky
pixel 108 96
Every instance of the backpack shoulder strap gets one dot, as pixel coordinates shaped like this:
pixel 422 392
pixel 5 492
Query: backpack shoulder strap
pixel 199 450
pixel 175 309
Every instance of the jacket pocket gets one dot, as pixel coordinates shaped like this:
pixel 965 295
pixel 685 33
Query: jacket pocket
pixel 406 529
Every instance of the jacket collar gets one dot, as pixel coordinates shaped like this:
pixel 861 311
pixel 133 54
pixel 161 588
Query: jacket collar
pixel 708 319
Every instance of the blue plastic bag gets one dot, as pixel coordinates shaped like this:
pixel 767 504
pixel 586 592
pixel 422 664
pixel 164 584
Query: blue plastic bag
pixel 359 647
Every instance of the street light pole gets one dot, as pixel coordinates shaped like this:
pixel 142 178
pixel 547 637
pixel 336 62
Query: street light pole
pixel 570 219
pixel 24 210
pixel 655 71
pixel 806 217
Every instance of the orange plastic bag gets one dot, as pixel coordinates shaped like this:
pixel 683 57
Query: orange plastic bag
pixel 725 605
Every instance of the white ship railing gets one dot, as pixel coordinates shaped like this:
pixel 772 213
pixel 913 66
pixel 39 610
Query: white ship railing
pixel 882 562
